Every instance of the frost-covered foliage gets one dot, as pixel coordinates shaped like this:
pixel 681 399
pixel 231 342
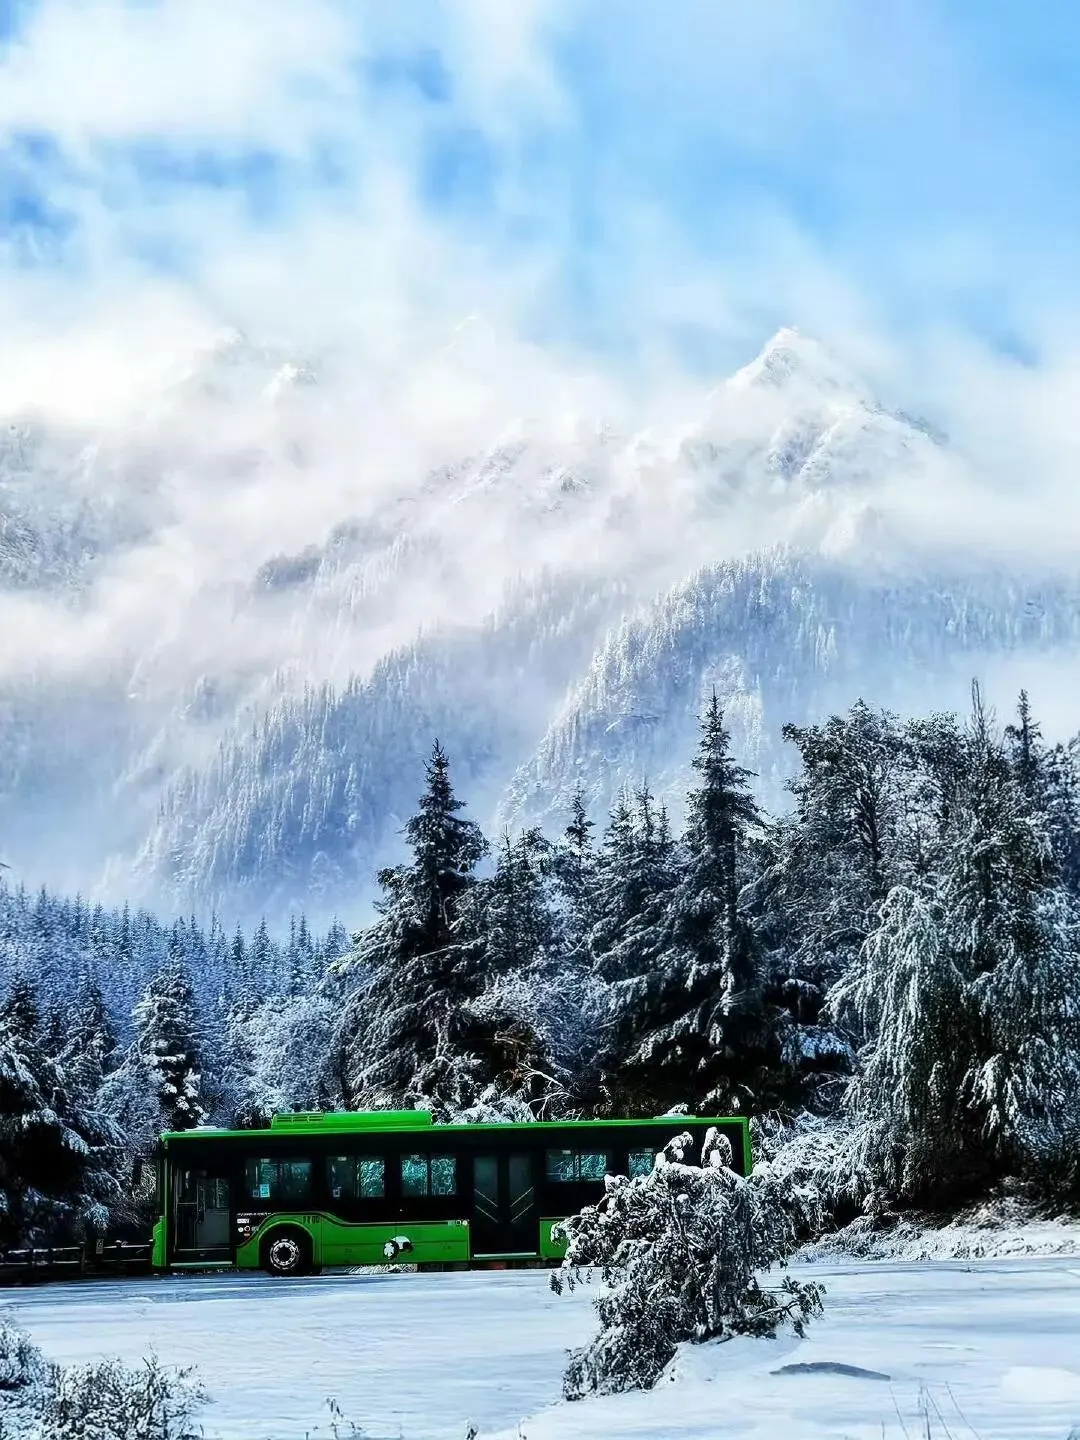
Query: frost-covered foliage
pixel 966 995
pixel 680 1253
pixel 815 1157
pixel 166 1047
pixel 109 1401
pixel 23 1368
pixel 691 1006
pixel 58 1152
pixel 910 927
pixel 102 1401
pixel 280 1056
pixel 78 956
pixel 404 1030
pixel 112 1027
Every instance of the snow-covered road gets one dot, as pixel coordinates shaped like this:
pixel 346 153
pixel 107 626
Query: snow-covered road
pixel 423 1356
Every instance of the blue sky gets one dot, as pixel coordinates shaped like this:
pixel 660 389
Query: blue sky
pixel 622 178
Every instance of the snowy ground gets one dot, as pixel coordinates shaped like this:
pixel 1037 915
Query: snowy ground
pixel 422 1356
pixel 993 1229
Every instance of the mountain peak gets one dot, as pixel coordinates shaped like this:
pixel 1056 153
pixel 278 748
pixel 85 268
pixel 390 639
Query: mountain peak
pixel 794 360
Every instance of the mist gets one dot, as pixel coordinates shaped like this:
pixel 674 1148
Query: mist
pixel 412 271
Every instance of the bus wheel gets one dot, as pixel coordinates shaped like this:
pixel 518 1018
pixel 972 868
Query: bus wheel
pixel 286 1252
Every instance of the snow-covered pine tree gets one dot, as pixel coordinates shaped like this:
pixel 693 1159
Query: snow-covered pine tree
pixel 967 998
pixel 20 1010
pixel 1061 810
pixel 262 959
pixel 935 749
pixel 909 1003
pixel 90 1049
pixel 1013 928
pixel 572 868
pixel 680 1252
pixel 158 1084
pixel 167 1046
pixel 634 877
pixel 401 1034
pixel 837 855
pixel 634 871
pixel 514 926
pixel 1050 780
pixel 859 825
pixel 299 957
pixel 705 1032
pixel 58 1153
pixel 243 986
pixel 511 910
pixel 279 1059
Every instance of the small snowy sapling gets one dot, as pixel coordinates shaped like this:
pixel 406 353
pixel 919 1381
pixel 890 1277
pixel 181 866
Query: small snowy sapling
pixel 679 1252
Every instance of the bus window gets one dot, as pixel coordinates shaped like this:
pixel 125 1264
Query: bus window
pixel 569 1166
pixel 282 1182
pixel 357 1177
pixel 428 1175
pixel 642 1162
pixel 443 1175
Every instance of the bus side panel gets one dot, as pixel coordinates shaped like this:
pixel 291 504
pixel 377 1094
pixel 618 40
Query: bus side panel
pixel 550 1248
pixel 337 1242
pixel 157 1245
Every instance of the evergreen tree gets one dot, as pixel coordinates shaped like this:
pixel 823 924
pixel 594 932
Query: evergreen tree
pixel 261 959
pixel 401 1035
pixel 635 875
pixel 704 1029
pixel 908 1001
pixel 54 1032
pixel 1049 779
pixel 244 990
pixel 512 910
pixel 91 1043
pixel 837 856
pixel 573 872
pixel 1061 811
pixel 1013 929
pixel 280 1059
pixel 21 1011
pixel 167 1049
pixel 57 1158
pixel 534 1020
pixel 966 999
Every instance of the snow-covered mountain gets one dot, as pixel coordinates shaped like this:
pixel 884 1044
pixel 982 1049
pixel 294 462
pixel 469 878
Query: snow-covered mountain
pixel 235 624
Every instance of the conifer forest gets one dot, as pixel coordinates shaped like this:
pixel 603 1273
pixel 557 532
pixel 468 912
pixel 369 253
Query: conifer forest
pixel 885 976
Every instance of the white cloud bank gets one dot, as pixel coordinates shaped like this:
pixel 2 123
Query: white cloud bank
pixel 473 212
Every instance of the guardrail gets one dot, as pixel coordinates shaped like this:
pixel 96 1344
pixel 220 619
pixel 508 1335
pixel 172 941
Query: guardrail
pixel 50 1262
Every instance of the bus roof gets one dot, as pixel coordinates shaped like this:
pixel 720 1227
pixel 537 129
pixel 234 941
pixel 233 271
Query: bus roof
pixel 351 1122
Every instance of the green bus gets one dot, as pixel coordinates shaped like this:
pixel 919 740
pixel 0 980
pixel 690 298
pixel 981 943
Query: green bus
pixel 379 1187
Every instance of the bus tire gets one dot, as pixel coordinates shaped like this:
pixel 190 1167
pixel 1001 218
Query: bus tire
pixel 286 1252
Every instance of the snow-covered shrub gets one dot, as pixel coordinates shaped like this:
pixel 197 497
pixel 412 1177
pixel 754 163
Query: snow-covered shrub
pixel 104 1401
pixel 817 1159
pixel 108 1401
pixel 22 1366
pixel 679 1252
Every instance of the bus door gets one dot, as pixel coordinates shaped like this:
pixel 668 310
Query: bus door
pixel 201 1213
pixel 504 1219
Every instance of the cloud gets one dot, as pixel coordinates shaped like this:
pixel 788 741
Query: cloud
pixel 479 210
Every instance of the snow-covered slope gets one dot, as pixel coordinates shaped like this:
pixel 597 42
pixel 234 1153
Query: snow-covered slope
pixel 235 623
pixel 781 636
